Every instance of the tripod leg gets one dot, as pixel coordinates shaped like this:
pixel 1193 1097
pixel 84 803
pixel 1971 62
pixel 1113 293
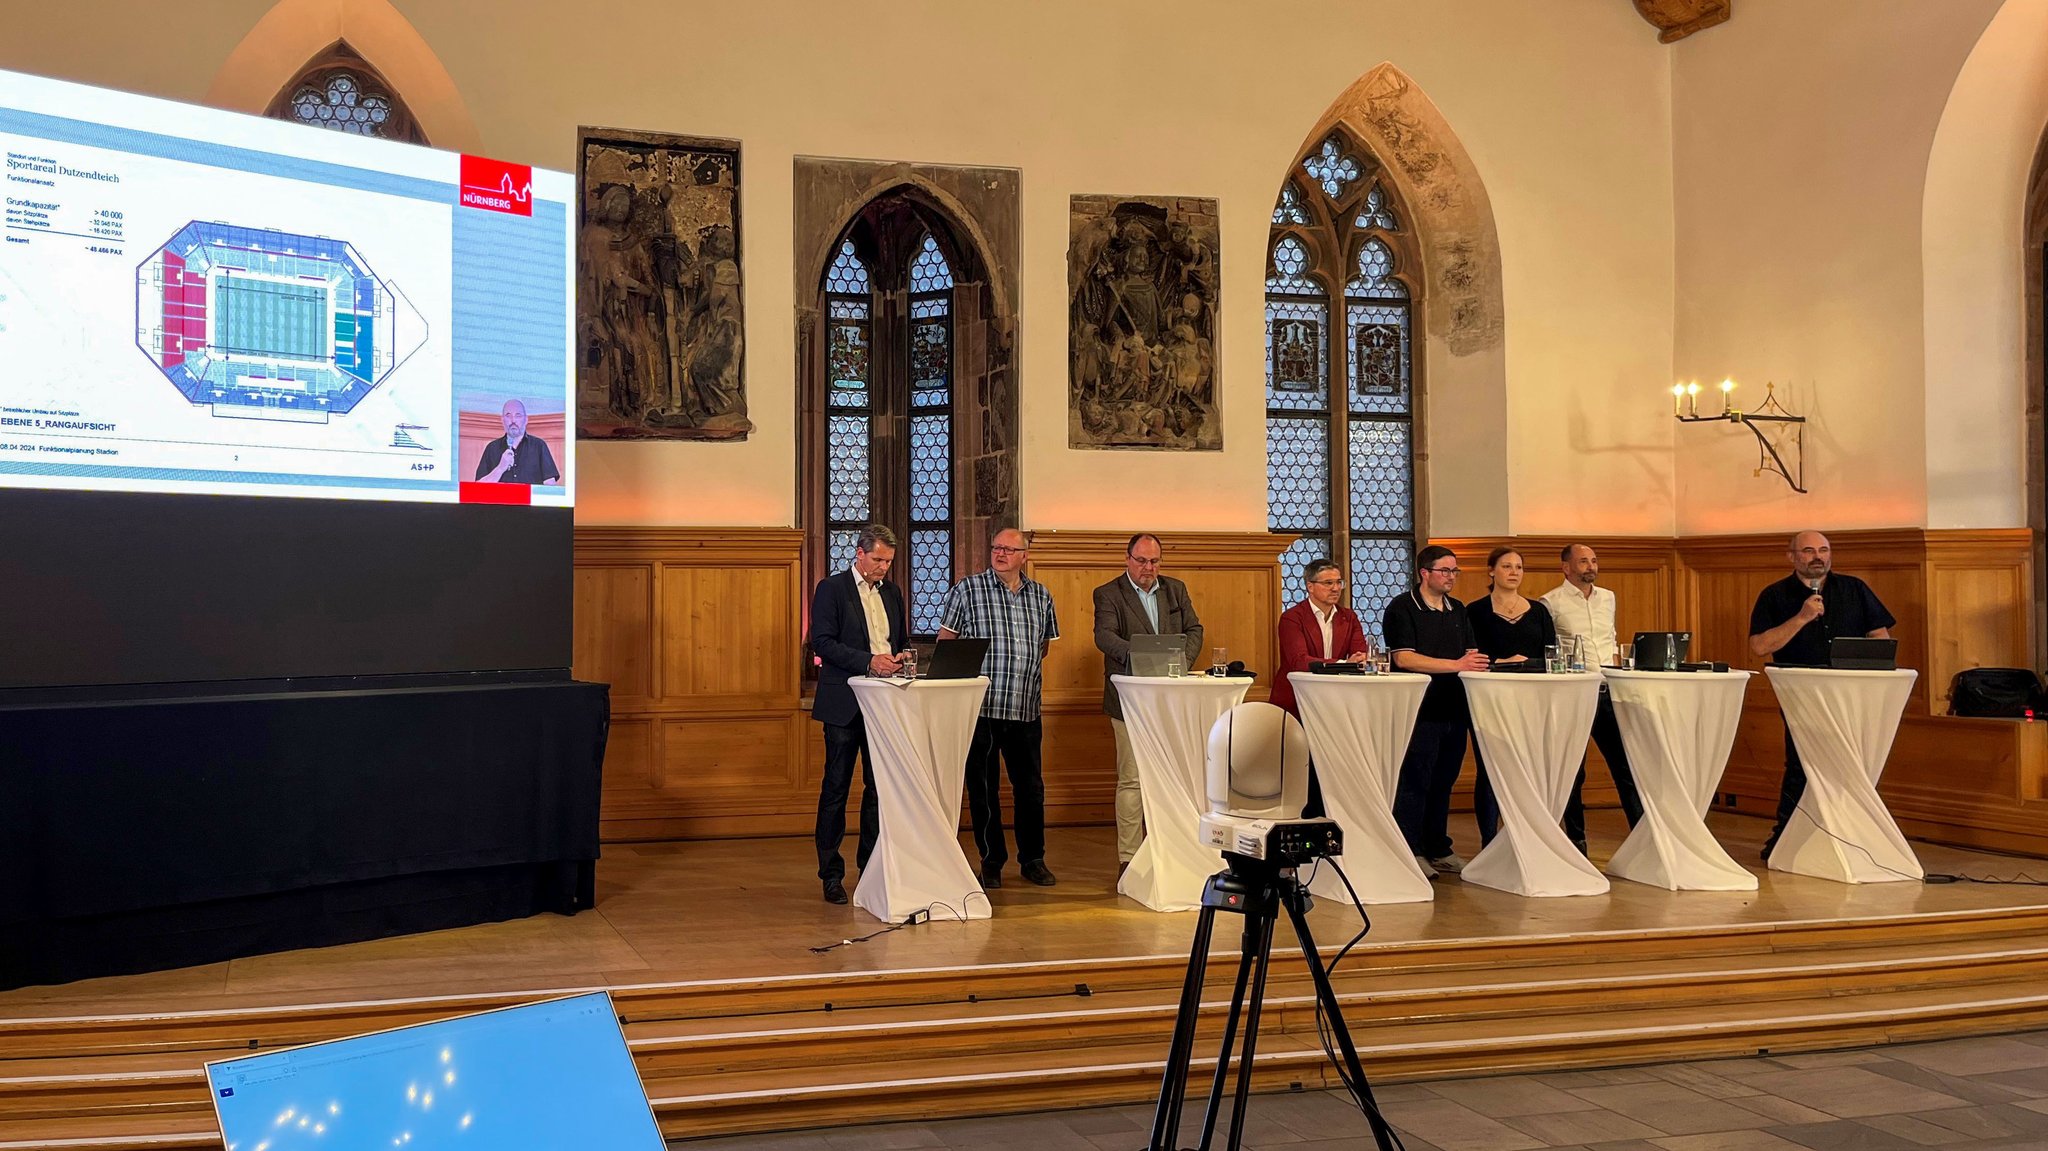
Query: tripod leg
pixel 1166 1118
pixel 1251 1030
pixel 1248 954
pixel 1326 996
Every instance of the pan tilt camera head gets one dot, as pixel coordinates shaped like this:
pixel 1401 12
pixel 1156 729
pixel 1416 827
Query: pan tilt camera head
pixel 1257 775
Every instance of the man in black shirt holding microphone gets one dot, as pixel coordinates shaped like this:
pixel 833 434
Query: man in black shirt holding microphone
pixel 1792 623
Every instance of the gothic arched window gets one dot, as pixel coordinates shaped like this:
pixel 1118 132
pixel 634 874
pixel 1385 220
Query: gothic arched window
pixel 1340 401
pixel 340 91
pixel 889 373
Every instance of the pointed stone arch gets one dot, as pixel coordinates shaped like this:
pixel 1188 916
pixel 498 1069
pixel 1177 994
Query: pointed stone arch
pixel 1448 252
pixel 296 32
pixel 973 214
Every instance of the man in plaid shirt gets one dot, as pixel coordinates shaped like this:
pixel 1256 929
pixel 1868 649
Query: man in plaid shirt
pixel 1014 613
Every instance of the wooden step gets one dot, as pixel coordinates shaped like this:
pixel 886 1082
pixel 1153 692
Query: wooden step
pixel 734 1056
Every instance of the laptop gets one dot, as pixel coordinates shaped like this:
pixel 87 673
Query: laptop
pixel 1150 654
pixel 1861 653
pixel 958 658
pixel 1662 650
pixel 549 1074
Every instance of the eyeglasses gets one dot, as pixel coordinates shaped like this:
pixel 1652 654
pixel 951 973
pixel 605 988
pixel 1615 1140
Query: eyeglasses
pixel 1442 571
pixel 1142 562
pixel 1002 551
pixel 1326 583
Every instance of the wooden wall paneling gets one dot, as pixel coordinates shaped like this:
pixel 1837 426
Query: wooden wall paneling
pixel 1978 589
pixel 1233 579
pixel 699 631
pixel 614 635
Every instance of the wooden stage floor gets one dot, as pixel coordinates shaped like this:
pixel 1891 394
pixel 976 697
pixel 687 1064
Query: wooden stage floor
pixel 750 908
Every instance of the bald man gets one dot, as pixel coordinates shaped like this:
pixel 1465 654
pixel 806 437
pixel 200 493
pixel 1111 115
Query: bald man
pixel 515 457
pixel 1792 623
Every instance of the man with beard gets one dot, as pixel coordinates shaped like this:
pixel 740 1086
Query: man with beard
pixel 1792 623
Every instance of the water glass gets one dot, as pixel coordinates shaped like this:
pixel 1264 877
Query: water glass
pixel 908 670
pixel 1628 657
pixel 1219 662
pixel 1174 666
pixel 1553 662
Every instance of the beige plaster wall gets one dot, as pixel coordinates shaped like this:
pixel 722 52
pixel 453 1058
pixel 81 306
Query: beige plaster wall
pixel 1972 245
pixel 1801 135
pixel 1190 97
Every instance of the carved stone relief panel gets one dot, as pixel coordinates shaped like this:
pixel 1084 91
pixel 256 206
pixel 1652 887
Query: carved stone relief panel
pixel 660 312
pixel 1141 323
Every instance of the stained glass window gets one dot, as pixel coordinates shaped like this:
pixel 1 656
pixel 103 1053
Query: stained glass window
pixel 847 276
pixel 889 374
pixel 340 91
pixel 1332 167
pixel 1290 209
pixel 1362 510
pixel 1373 213
pixel 1375 278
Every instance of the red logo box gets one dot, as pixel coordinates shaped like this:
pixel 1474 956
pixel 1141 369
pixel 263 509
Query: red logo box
pixel 496 186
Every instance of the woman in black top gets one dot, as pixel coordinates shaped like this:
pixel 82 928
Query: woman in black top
pixel 1510 629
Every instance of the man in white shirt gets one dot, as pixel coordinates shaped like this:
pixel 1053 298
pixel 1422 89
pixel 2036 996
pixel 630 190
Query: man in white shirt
pixel 1580 607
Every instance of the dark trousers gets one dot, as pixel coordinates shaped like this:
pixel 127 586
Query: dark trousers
pixel 1790 792
pixel 1422 797
pixel 1016 740
pixel 1606 737
pixel 1313 808
pixel 842 743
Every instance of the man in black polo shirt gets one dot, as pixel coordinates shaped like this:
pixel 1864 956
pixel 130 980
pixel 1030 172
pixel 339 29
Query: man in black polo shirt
pixel 1428 631
pixel 515 457
pixel 1792 623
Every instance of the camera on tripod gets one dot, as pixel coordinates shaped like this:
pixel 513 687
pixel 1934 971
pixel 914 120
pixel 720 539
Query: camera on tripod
pixel 1257 780
pixel 1257 775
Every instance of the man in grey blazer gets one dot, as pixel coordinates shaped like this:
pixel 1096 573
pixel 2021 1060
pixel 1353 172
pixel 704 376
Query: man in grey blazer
pixel 1138 602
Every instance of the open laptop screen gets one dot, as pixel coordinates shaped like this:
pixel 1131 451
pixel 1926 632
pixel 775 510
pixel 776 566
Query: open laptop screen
pixel 552 1074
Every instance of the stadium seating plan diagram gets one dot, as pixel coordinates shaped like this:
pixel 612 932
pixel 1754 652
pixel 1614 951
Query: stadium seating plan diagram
pixel 270 325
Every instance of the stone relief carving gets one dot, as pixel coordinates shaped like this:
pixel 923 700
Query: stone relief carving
pixel 1142 291
pixel 1460 250
pixel 660 316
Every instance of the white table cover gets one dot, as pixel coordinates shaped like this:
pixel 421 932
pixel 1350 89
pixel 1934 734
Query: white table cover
pixel 1533 731
pixel 919 734
pixel 1358 729
pixel 1678 728
pixel 1169 722
pixel 1843 723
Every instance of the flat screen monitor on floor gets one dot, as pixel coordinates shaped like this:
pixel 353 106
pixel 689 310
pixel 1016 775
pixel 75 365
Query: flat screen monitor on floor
pixel 552 1074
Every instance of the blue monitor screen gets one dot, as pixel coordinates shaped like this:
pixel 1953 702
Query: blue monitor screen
pixel 545 1075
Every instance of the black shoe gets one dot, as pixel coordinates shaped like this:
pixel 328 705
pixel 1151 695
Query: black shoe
pixel 991 877
pixel 1037 872
pixel 835 891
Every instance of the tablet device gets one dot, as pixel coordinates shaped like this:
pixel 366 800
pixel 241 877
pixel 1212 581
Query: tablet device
pixel 1150 654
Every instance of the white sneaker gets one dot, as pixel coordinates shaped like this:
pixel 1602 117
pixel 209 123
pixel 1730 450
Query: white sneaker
pixel 1428 872
pixel 1450 864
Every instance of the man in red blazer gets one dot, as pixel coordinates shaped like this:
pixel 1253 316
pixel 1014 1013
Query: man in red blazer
pixel 1321 629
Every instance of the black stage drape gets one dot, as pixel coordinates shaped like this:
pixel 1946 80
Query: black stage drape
pixel 143 834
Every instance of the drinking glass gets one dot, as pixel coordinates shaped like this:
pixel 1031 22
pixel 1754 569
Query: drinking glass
pixel 1628 657
pixel 1219 662
pixel 909 668
pixel 1174 670
pixel 1553 662
pixel 1380 661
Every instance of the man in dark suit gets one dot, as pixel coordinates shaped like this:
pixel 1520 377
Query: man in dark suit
pixel 857 628
pixel 1319 630
pixel 1138 602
